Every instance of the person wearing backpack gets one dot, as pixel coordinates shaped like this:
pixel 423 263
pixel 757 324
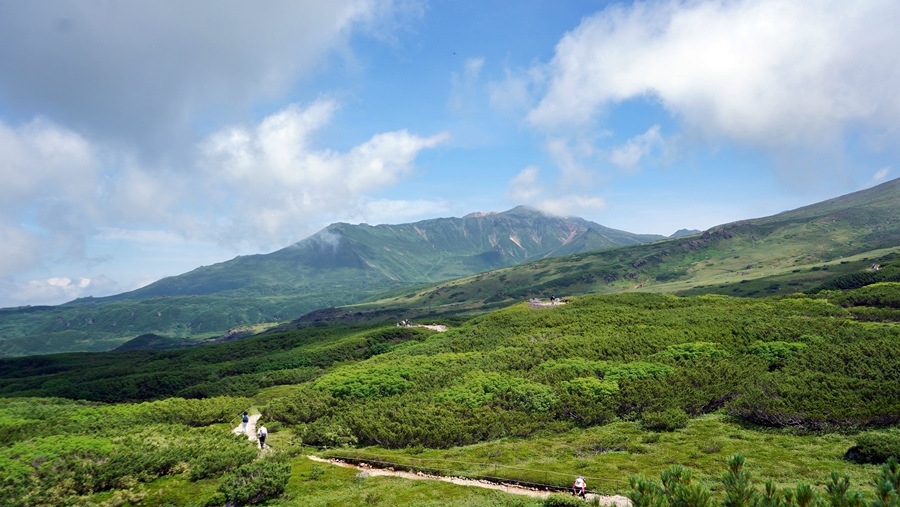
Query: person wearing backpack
pixel 261 434
pixel 578 488
pixel 244 420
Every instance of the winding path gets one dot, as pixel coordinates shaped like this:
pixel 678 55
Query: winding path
pixel 612 501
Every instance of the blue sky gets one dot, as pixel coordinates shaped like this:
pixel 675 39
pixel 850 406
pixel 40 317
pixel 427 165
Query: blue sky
pixel 144 139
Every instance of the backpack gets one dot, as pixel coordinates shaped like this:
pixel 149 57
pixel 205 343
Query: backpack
pixel 245 418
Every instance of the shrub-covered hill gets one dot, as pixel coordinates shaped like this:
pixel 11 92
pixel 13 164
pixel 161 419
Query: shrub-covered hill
pixel 797 361
pixel 842 243
pixel 587 378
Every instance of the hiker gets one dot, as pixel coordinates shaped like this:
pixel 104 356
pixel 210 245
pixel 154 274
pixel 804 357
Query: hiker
pixel 578 488
pixel 244 420
pixel 261 434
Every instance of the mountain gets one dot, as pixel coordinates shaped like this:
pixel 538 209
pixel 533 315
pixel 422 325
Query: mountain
pixel 363 256
pixel 685 232
pixel 339 265
pixel 838 241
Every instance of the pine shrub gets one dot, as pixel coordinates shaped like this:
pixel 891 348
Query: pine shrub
pixel 668 420
pixel 256 482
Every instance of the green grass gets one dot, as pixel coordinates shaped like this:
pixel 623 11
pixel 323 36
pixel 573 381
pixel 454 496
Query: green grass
pixel 703 446
pixel 319 485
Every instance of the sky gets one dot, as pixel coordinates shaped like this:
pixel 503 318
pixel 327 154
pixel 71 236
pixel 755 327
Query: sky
pixel 143 139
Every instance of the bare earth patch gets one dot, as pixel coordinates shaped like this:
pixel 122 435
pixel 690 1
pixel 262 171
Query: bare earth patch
pixel 542 303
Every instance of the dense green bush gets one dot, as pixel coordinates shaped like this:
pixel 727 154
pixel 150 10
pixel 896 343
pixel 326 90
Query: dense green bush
pixel 561 500
pixel 875 447
pixel 668 420
pixel 256 482
pixel 777 352
pixel 69 449
pixel 677 489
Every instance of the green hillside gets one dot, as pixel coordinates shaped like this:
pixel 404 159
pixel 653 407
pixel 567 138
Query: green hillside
pixel 607 386
pixel 360 274
pixel 341 264
pixel 853 236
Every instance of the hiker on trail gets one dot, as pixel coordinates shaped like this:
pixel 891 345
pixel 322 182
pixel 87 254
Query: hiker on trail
pixel 578 488
pixel 244 420
pixel 261 434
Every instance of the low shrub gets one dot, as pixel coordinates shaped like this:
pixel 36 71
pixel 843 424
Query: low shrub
pixel 256 482
pixel 559 500
pixel 875 448
pixel 668 420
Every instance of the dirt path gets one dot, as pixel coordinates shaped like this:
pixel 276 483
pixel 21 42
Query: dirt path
pixel 540 303
pixel 251 428
pixel 615 500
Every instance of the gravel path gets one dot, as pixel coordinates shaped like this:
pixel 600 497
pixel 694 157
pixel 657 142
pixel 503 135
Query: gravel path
pixel 615 500
pixel 251 428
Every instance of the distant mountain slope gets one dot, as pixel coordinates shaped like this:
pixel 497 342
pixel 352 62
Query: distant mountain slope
pixel 427 251
pixel 339 265
pixel 785 253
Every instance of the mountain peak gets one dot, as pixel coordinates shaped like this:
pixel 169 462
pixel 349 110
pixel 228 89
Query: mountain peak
pixel 520 210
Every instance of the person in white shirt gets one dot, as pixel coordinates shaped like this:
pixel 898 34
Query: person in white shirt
pixel 578 489
pixel 261 434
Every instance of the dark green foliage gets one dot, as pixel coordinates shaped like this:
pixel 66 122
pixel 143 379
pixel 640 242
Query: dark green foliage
pixel 677 489
pixel 71 449
pixel 877 302
pixel 851 384
pixel 849 281
pixel 560 500
pixel 228 369
pixel 691 351
pixel 256 482
pixel 839 494
pixel 668 420
pixel 875 447
pixel 737 483
pixel 776 353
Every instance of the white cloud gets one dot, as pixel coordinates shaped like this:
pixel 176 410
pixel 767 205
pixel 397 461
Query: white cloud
pixel 514 92
pixel 254 186
pixel 764 73
pixel 571 155
pixel 384 211
pixel 43 159
pixel 48 190
pixel 274 177
pixel 141 73
pixel 524 187
pixel 55 290
pixel 629 155
pixel 463 87
pixel 21 249
pixel 881 174
pixel 572 205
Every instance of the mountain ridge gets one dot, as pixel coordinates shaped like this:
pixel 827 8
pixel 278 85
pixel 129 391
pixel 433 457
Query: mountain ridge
pixel 340 264
pixel 365 274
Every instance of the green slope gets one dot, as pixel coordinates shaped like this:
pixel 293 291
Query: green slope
pixel 794 251
pixel 341 264
pixel 608 386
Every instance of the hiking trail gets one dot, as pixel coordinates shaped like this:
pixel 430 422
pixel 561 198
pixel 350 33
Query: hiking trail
pixel 609 500
pixel 251 428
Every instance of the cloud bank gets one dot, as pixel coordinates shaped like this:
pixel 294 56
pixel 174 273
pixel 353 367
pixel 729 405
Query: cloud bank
pixel 795 81
pixel 145 74
pixel 766 73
